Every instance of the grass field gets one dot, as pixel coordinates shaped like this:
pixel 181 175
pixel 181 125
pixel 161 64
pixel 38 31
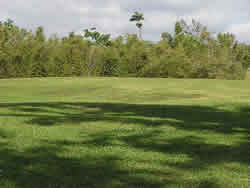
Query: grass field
pixel 124 133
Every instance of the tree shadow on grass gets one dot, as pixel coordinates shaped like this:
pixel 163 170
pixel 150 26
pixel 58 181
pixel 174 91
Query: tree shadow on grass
pixel 188 117
pixel 202 154
pixel 44 167
pixel 51 170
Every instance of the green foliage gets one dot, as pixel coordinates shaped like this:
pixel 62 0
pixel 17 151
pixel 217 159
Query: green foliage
pixel 191 52
pixel 178 28
pixel 98 38
pixel 165 36
pixel 111 62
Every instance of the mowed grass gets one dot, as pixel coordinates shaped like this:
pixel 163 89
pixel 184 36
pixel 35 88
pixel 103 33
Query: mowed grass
pixel 124 133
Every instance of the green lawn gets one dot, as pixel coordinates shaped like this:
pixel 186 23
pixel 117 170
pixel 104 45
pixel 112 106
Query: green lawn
pixel 124 133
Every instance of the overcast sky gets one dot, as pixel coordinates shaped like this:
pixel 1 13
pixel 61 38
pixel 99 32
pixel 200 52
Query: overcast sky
pixel 111 16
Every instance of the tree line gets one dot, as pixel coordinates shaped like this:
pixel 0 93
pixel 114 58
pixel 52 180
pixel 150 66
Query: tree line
pixel 190 52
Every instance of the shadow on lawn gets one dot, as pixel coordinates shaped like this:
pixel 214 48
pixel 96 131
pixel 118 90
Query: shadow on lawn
pixel 43 167
pixel 51 170
pixel 189 117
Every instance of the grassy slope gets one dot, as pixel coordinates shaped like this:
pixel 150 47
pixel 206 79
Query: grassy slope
pixel 110 133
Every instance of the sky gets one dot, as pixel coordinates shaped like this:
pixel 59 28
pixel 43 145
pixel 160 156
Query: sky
pixel 112 16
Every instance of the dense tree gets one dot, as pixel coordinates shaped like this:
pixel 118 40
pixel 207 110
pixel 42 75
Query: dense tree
pixel 191 52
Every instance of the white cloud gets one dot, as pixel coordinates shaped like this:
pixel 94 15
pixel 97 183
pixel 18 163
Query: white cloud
pixel 242 31
pixel 111 16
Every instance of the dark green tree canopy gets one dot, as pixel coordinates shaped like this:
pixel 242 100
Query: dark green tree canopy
pixel 190 52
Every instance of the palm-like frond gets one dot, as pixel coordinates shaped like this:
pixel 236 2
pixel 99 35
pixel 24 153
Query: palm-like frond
pixel 137 17
pixel 133 19
pixel 139 25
